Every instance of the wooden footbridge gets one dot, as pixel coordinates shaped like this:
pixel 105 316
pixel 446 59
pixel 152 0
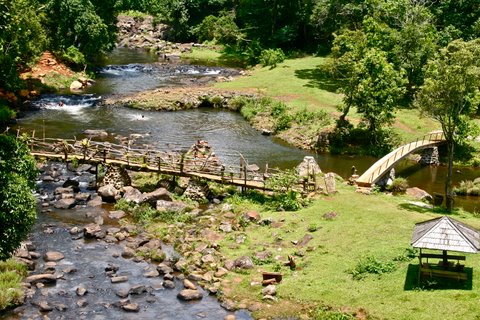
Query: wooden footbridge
pixel 192 163
pixel 385 164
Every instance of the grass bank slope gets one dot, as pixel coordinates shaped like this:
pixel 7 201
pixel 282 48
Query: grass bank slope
pixel 377 226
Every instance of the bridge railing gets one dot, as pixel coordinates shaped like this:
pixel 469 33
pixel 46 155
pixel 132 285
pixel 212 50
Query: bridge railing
pixel 174 161
pixel 435 136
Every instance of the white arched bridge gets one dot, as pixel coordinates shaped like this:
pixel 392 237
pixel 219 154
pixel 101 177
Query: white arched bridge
pixel 385 164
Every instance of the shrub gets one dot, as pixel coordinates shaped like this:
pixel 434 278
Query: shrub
pixel 271 57
pixel 6 114
pixel 73 56
pixel 398 186
pixel 371 265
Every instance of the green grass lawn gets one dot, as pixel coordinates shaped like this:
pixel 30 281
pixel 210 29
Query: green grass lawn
pixel 379 226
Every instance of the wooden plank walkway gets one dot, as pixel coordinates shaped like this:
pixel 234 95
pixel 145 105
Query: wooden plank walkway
pixel 177 163
pixel 385 164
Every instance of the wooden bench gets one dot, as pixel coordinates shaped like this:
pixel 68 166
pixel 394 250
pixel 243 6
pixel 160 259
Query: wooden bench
pixel 457 275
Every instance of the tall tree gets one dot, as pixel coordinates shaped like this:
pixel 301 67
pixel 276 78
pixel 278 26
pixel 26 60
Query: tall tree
pixel 21 39
pixel 17 204
pixel 451 94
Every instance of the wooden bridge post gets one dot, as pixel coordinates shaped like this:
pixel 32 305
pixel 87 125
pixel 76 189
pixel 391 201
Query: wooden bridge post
pixel 159 161
pixel 182 159
pixel 222 173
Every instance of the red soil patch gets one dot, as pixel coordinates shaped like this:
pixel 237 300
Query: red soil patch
pixel 46 65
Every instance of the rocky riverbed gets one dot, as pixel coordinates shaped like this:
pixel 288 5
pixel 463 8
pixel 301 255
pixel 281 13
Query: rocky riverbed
pixel 88 261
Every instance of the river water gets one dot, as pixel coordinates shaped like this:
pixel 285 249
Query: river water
pixel 127 71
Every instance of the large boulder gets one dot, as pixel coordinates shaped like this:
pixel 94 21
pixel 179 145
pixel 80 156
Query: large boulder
pixel 108 193
pixel 308 167
pixel 172 206
pixel 419 194
pixel 132 195
pixel 243 262
pixel 154 196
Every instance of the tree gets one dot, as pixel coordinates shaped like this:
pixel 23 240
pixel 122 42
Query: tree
pixel 451 95
pixel 17 204
pixel 75 25
pixel 22 39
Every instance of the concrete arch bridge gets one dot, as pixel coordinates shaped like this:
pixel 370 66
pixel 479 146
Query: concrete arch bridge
pixel 385 164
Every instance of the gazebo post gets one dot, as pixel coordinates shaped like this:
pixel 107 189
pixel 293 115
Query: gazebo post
pixel 445 260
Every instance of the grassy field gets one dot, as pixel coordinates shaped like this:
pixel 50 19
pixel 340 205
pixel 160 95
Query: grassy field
pixel 378 226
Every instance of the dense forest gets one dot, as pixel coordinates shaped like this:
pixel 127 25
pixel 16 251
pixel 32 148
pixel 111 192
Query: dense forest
pixel 404 33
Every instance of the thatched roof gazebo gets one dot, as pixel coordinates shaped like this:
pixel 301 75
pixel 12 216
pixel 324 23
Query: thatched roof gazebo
pixel 445 234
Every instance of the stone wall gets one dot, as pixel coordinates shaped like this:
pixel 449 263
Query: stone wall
pixel 430 156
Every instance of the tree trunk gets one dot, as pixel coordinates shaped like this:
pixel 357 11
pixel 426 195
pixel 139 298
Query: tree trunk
pixel 448 183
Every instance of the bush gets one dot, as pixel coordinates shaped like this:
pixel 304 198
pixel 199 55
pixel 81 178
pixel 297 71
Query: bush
pixel 271 57
pixel 6 114
pixel 371 265
pixel 73 56
pixel 398 186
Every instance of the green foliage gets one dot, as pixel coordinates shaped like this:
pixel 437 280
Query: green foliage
pixel 287 201
pixel 17 204
pixel 22 39
pixel 371 265
pixel 407 255
pixel 271 57
pixel 6 114
pixel 283 181
pixel 222 29
pixel 85 25
pixel 73 56
pixel 468 188
pixel 323 313
pixel 399 186
pixel 312 227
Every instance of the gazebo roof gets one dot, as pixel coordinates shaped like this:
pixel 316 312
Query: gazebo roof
pixel 446 233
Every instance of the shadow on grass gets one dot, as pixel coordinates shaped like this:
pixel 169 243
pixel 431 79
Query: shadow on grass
pixel 317 78
pixel 411 281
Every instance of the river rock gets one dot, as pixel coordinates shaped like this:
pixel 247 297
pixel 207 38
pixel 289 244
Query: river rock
pixel 128 253
pixel 65 203
pixel 168 284
pixel 92 230
pixel 189 284
pixel 243 262
pixel 172 206
pixel 82 196
pixel 76 85
pixel 188 295
pixel 116 215
pixel 119 279
pixel 132 195
pixel 151 274
pixel 95 201
pixel 81 291
pixel 131 307
pixel 164 268
pixel 137 289
pixel 53 256
pixel 74 184
pixel 43 306
pixel 153 197
pixel 41 278
pixel 108 193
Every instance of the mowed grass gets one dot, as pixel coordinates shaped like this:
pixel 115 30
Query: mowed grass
pixel 378 226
